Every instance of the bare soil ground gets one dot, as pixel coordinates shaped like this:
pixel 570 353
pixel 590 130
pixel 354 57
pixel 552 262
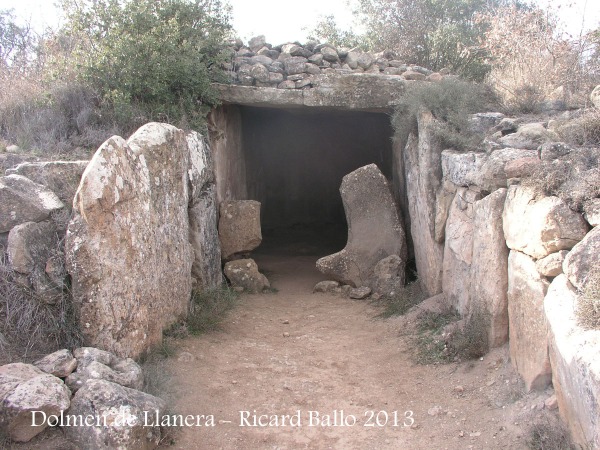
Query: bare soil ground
pixel 294 352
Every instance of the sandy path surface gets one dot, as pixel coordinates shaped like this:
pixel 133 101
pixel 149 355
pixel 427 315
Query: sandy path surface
pixel 315 355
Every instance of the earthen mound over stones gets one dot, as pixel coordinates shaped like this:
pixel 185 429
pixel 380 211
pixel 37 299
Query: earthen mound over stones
pixel 374 229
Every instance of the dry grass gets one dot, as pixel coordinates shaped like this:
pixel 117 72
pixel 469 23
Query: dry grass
pixel 588 309
pixel 29 326
pixel 472 341
pixel 547 432
pixel 398 304
pixel 583 130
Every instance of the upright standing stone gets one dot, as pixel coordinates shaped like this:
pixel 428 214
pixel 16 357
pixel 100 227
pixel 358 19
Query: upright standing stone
pixel 422 159
pixel 489 269
pixel 374 229
pixel 239 228
pixel 528 329
pixel 128 248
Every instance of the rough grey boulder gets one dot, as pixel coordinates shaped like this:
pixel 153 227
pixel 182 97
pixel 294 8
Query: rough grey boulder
pixel 239 227
pixel 359 293
pixel 122 412
pixel 244 273
pixel 528 136
pixel 61 177
pixel 584 257
pixel 540 226
pixel 93 363
pixel 22 200
pixel 326 286
pixel 127 247
pixel 60 363
pixel 389 275
pixel 30 245
pixel 374 228
pixel 591 211
pixel 24 389
pixel 551 265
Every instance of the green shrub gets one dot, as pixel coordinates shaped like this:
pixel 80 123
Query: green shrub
pixel 451 102
pixel 161 56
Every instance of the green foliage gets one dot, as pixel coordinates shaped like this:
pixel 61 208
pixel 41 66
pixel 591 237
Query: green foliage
pixel 16 42
pixel 161 56
pixel 431 33
pixel 328 30
pixel 451 101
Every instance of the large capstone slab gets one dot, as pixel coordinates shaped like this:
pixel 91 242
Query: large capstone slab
pixel 374 229
pixel 128 248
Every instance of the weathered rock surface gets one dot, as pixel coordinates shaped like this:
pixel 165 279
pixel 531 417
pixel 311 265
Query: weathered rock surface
pixel 374 228
pixel 443 201
pixel 60 363
pixel 61 177
pixel 244 273
pixel 359 293
pixel 540 226
pixel 30 244
pixel 123 411
pixel 528 329
pixel 422 162
pixel 204 236
pixel 575 367
pixel 528 136
pixel 239 227
pixel 22 200
pixel 458 250
pixel 482 122
pixel 326 286
pixel 389 275
pixel 551 265
pixel 591 211
pixel 93 363
pixel 24 389
pixel 489 267
pixel 127 247
pixel 583 258
pixel 522 167
pixel 481 169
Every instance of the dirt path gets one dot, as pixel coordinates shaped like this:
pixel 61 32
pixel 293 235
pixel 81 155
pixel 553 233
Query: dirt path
pixel 295 351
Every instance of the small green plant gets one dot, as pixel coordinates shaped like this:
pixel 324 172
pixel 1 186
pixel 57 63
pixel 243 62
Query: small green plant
pixel 588 309
pixel 398 304
pixel 209 307
pixel 451 101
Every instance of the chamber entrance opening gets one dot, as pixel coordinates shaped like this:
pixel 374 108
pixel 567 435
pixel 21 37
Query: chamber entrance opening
pixel 295 160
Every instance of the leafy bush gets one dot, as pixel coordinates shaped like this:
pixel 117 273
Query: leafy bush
pixel 451 101
pixel 161 56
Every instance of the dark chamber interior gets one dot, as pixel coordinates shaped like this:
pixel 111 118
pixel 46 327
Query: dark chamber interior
pixel 295 161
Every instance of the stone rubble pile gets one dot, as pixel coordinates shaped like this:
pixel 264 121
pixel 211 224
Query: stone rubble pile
pixel 300 66
pixel 64 388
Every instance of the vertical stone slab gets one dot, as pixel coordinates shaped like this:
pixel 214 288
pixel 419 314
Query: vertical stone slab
pixel 422 160
pixel 575 365
pixel 489 270
pixel 204 236
pixel 458 250
pixel 528 329
pixel 128 248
